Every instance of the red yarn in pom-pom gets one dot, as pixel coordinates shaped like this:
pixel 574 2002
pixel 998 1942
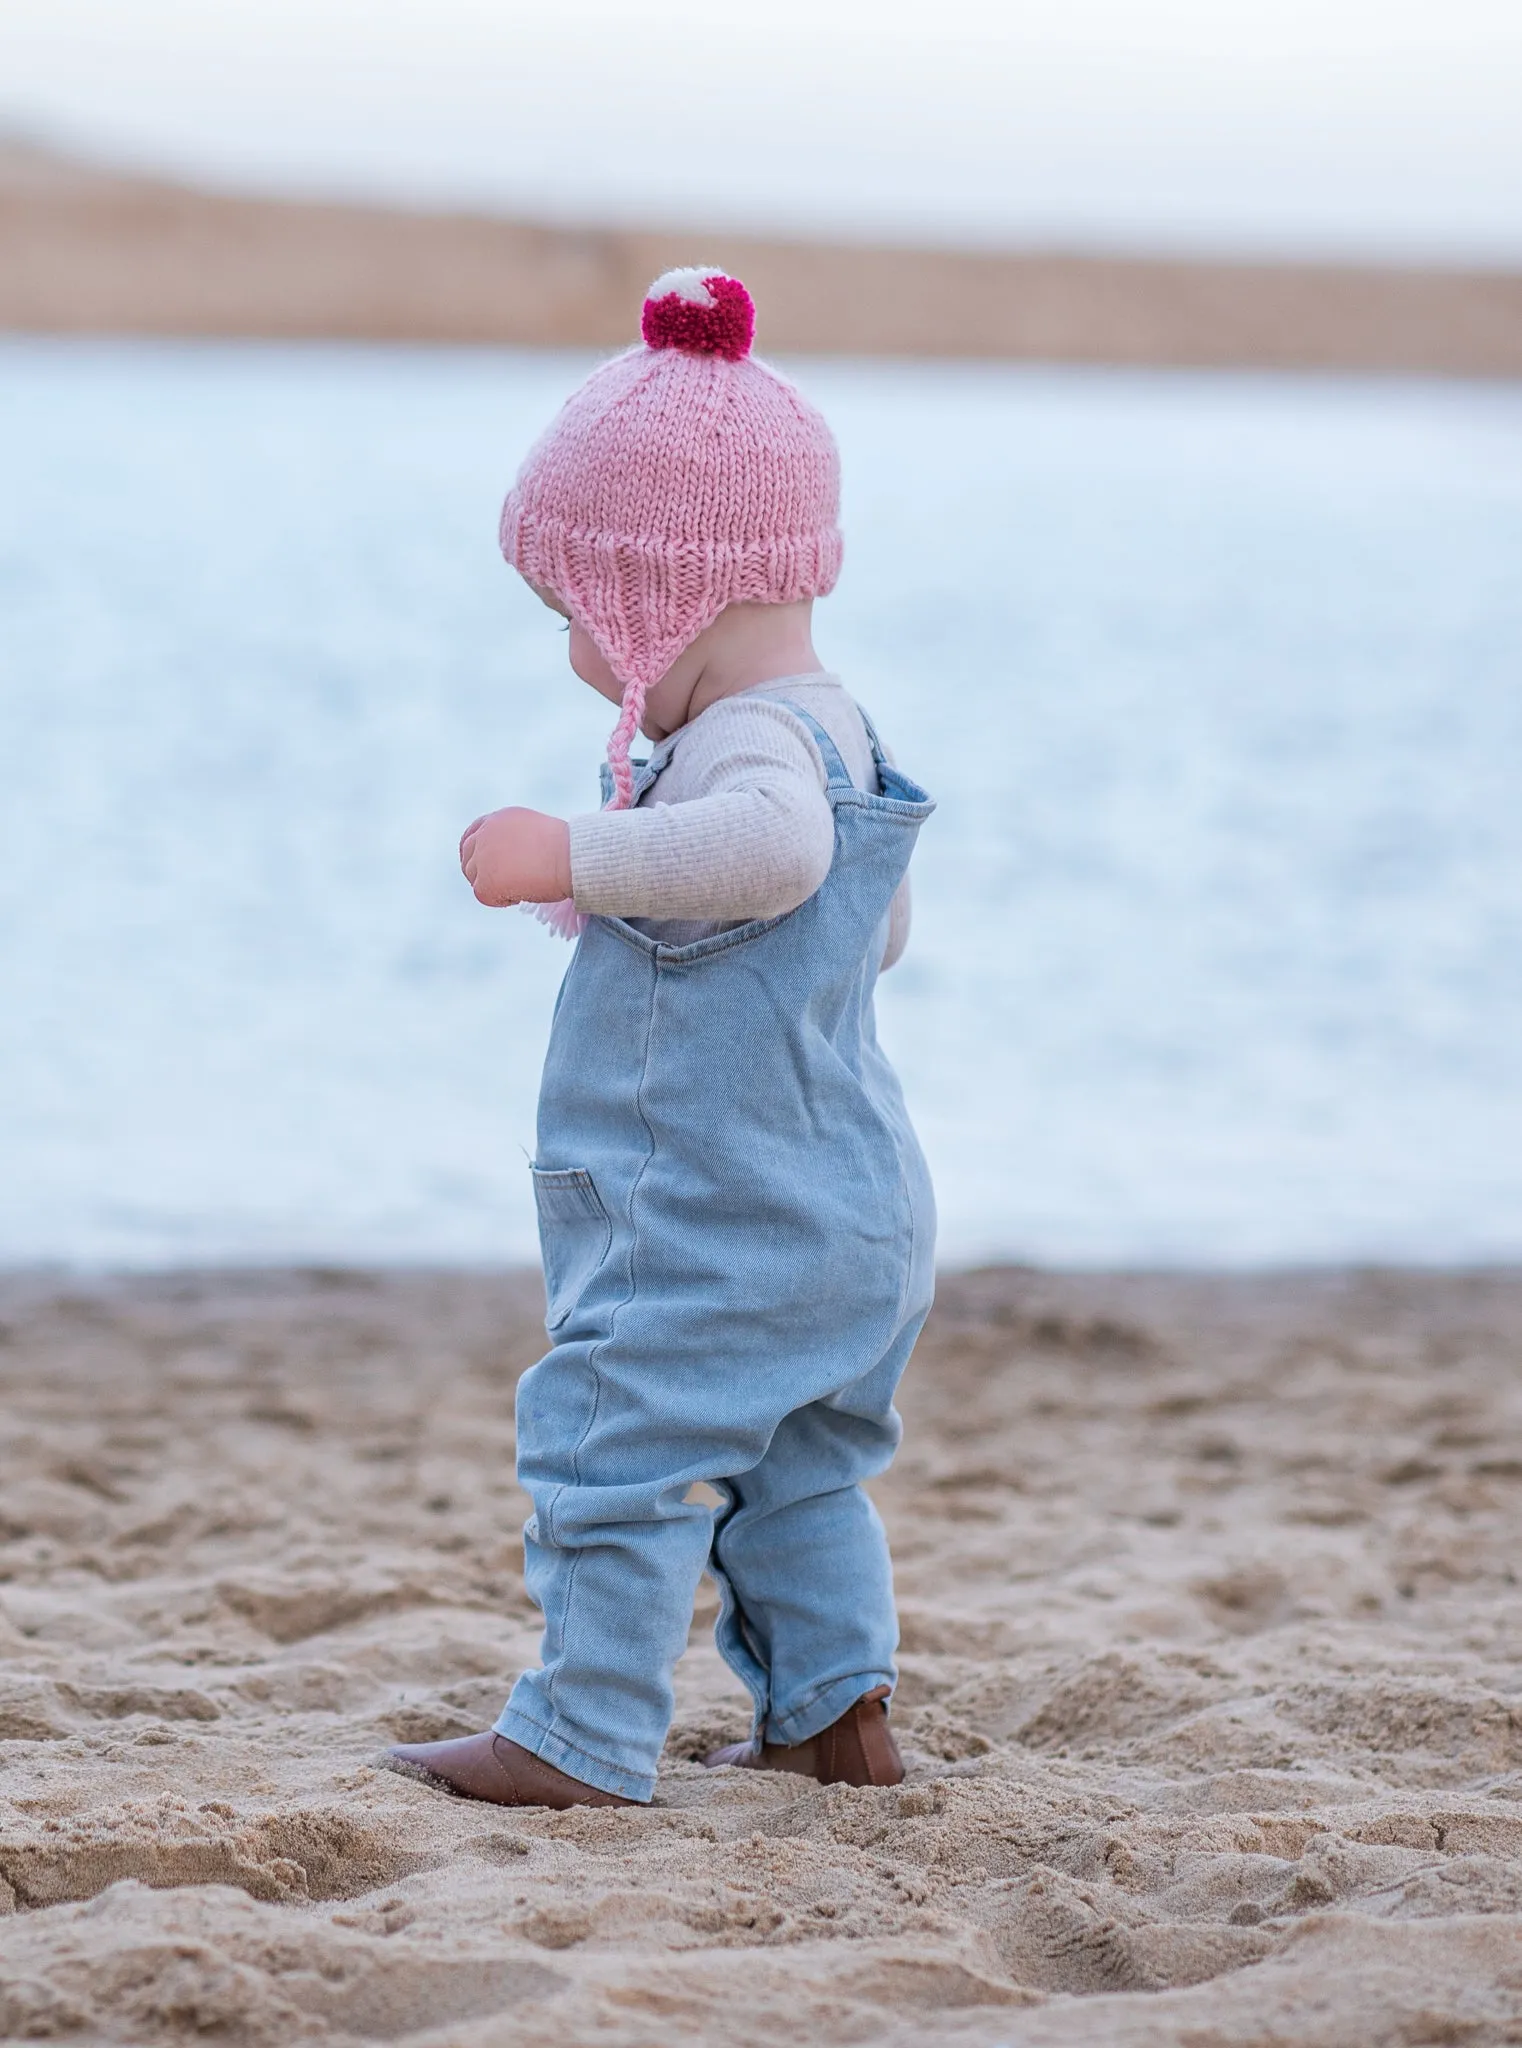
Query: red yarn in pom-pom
pixel 725 328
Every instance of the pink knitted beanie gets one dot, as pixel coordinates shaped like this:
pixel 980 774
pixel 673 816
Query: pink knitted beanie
pixel 682 477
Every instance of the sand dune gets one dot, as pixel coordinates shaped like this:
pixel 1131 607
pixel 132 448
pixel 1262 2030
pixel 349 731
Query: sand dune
pixel 1211 1686
pixel 85 250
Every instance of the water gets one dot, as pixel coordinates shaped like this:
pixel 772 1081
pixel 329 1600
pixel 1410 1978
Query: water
pixel 1218 953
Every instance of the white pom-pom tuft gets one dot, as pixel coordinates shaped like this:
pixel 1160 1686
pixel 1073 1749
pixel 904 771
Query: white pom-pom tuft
pixel 690 284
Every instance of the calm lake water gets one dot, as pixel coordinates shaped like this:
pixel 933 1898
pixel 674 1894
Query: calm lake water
pixel 1218 952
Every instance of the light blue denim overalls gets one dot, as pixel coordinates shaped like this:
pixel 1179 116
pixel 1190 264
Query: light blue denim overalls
pixel 738 1236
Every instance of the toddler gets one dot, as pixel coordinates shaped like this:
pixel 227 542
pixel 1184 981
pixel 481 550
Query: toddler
pixel 736 1220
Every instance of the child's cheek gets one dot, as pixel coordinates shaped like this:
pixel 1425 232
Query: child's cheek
pixel 587 662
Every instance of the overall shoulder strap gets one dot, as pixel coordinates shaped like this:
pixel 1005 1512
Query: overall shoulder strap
pixel 838 776
pixel 879 758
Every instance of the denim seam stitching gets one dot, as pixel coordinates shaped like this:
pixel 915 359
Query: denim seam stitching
pixel 570 1589
pixel 550 1731
pixel 825 1685
pixel 751 928
pixel 908 1202
pixel 819 1692
pixel 565 1179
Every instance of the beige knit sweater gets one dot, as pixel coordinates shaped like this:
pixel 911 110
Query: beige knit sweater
pixel 736 825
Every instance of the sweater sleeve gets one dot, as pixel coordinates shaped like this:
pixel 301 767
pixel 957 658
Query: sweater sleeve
pixel 752 837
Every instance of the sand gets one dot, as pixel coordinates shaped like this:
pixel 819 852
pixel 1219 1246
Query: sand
pixel 88 249
pixel 1212 1685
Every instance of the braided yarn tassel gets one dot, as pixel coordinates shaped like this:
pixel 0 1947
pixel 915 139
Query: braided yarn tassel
pixel 563 918
pixel 630 713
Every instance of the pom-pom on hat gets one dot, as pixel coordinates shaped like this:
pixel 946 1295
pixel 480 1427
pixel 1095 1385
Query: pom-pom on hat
pixel 682 477
pixel 703 312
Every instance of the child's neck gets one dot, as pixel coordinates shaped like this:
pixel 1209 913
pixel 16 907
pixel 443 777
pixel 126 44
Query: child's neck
pixel 750 645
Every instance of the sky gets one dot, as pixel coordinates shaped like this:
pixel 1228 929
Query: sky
pixel 1382 127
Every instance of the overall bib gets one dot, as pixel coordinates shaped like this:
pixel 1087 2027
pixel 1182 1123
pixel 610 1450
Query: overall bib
pixel 738 1236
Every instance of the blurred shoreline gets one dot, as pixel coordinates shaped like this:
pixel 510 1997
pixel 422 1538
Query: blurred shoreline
pixel 1270 1291
pixel 85 249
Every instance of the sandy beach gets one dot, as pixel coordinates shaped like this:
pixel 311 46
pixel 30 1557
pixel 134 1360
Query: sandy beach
pixel 1212 1687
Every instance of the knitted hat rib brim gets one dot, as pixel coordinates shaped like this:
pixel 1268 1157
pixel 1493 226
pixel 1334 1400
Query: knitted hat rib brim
pixel 667 594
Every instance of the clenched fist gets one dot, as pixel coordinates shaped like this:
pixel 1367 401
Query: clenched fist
pixel 517 856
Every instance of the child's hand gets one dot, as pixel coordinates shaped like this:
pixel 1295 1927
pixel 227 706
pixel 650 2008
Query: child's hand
pixel 517 856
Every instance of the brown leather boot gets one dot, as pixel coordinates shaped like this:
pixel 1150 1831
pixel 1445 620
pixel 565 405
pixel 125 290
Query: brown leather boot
pixel 858 1749
pixel 491 1767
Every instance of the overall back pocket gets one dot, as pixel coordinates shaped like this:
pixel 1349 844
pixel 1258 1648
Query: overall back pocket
pixel 574 1236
